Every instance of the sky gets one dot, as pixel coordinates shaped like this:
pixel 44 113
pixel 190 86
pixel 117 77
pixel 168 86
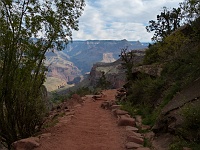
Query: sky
pixel 119 19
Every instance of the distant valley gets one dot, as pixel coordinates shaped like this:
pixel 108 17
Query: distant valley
pixel 79 56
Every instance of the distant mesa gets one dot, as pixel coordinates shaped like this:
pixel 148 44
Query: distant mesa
pixel 108 58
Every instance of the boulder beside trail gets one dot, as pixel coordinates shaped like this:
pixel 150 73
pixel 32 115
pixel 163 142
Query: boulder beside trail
pixel 118 112
pixel 131 145
pixel 135 139
pixel 126 121
pixel 26 144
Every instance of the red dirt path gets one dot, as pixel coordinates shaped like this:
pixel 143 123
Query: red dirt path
pixel 91 128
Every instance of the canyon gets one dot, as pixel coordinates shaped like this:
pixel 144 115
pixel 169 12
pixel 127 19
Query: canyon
pixel 78 57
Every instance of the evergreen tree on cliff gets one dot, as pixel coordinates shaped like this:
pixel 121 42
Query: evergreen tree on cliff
pixel 28 29
pixel 191 10
pixel 167 22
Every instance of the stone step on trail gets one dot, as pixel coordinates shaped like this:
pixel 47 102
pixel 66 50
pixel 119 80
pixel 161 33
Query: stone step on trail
pixel 135 140
pixel 126 121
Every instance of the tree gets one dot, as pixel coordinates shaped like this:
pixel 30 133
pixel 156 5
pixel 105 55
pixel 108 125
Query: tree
pixel 167 22
pixel 102 82
pixel 28 29
pixel 128 59
pixel 191 9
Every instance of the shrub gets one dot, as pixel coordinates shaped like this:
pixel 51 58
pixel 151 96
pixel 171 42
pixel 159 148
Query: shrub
pixel 145 90
pixel 82 91
pixel 151 54
pixel 102 82
pixel 128 106
pixel 191 126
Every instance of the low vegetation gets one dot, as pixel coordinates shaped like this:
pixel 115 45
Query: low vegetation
pixel 22 54
pixel 191 125
pixel 102 83
pixel 177 52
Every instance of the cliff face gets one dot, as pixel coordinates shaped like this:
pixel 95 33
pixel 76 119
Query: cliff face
pixel 108 58
pixel 114 73
pixel 152 70
pixel 67 73
pixel 59 66
pixel 97 51
pixel 172 121
pixel 60 70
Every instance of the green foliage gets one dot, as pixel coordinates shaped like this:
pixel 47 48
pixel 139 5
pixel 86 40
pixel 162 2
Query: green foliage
pixel 191 126
pixel 58 98
pixel 102 82
pixel 178 52
pixel 170 92
pixel 128 62
pixel 54 120
pixel 142 98
pixel 51 123
pixel 147 143
pixel 191 9
pixel 167 22
pixel 178 70
pixel 182 70
pixel 145 90
pixel 151 54
pixel 81 91
pixel 179 143
pixel 196 28
pixel 129 107
pixel 150 115
pixel 22 54
pixel 170 49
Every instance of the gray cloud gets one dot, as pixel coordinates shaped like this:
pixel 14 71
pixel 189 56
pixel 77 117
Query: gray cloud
pixel 119 19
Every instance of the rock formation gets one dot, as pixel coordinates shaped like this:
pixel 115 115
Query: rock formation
pixel 60 70
pixel 114 73
pixel 108 58
pixel 171 119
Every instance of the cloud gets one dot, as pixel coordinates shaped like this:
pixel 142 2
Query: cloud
pixel 117 19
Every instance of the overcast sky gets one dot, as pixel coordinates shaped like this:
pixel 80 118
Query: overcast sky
pixel 119 19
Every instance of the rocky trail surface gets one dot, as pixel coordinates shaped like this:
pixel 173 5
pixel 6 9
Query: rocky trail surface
pixel 90 128
pixel 93 122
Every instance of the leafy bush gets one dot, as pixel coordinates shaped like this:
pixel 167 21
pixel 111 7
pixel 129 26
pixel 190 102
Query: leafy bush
pixel 82 91
pixel 22 55
pixel 128 61
pixel 58 98
pixel 179 143
pixel 145 90
pixel 128 106
pixel 142 98
pixel 151 54
pixel 191 126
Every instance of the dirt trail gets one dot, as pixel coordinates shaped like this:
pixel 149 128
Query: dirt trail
pixel 91 128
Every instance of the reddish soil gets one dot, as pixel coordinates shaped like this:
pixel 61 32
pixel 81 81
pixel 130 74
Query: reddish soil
pixel 91 128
